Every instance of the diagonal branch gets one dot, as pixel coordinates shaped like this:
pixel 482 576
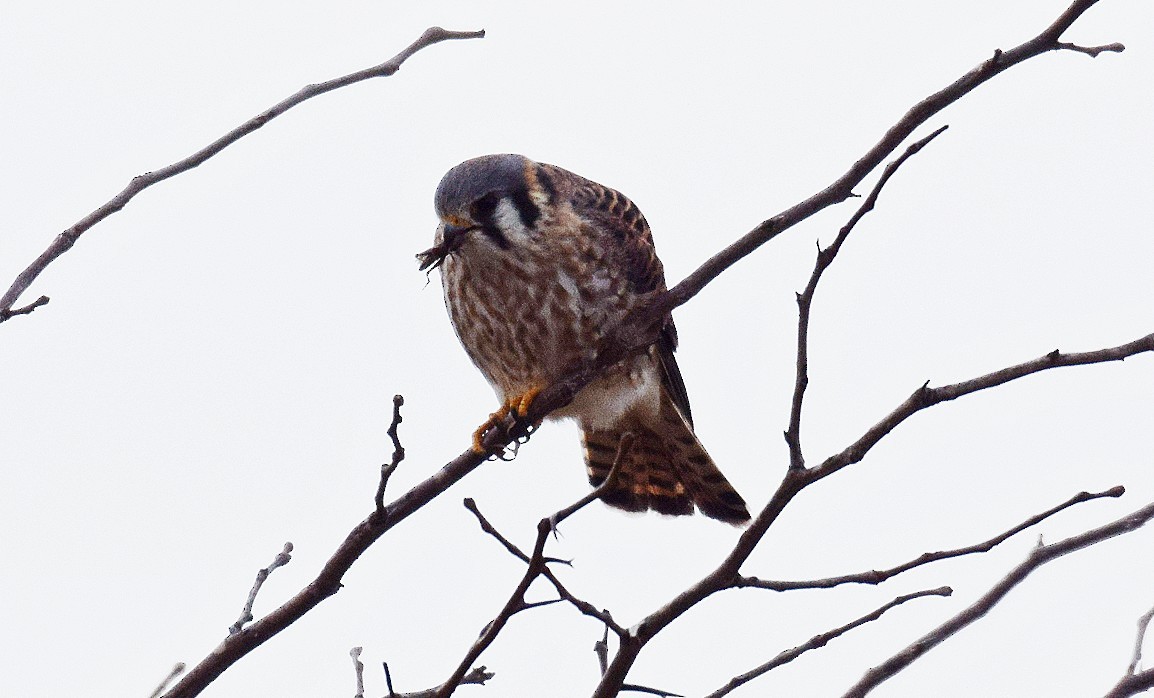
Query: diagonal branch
pixel 65 240
pixel 328 580
pixel 1037 557
pixel 879 576
pixel 795 480
pixel 537 566
pixel 563 593
pixel 282 558
pixel 926 396
pixel 642 328
pixel 176 670
pixel 842 188
pixel 818 641
pixel 515 604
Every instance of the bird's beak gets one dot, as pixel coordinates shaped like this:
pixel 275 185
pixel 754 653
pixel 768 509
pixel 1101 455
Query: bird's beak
pixel 453 235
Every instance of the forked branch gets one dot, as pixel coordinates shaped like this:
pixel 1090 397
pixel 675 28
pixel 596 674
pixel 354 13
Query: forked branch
pixel 879 576
pixel 822 640
pixel 65 240
pixel 1037 557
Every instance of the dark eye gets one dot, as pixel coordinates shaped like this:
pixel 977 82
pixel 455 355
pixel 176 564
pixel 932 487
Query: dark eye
pixel 482 209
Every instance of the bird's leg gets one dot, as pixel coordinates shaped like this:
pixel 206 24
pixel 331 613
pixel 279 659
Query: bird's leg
pixel 520 410
pixel 518 406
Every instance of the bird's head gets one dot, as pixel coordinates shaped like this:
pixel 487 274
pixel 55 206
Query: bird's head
pixel 493 200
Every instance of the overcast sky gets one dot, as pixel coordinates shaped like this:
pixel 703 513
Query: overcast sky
pixel 214 374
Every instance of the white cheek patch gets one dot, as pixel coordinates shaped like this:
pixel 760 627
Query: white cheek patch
pixel 508 220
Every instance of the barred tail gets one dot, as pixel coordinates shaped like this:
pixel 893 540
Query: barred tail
pixel 665 469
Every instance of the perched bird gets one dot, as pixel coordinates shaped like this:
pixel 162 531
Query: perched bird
pixel 538 264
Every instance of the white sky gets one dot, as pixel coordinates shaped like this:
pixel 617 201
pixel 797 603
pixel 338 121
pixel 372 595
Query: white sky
pixel 214 373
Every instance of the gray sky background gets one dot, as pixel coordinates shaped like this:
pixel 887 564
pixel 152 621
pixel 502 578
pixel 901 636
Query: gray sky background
pixel 214 373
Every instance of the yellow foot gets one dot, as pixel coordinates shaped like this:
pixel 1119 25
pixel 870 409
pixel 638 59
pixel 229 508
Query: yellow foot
pixel 518 406
pixel 493 420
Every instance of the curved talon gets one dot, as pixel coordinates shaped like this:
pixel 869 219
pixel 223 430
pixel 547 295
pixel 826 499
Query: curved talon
pixel 518 407
pixel 508 454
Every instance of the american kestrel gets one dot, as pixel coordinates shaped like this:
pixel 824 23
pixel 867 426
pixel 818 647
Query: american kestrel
pixel 538 264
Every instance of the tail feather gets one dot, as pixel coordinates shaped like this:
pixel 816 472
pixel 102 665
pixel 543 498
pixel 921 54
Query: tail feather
pixel 665 469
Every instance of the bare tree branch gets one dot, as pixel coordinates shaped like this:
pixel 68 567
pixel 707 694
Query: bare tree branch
pixel 623 448
pixel 1037 557
pixel 282 558
pixel 825 258
pixel 177 670
pixel 879 576
pixel 1135 681
pixel 477 675
pixel 359 670
pixel 584 607
pixel 818 641
pixel 1092 51
pixel 1133 684
pixel 926 396
pixel 65 240
pixel 25 310
pixel 398 452
pixel 1143 624
pixel 842 188
pixel 537 566
pixel 795 480
pixel 642 329
pixel 513 605
pixel 635 333
pixel 328 580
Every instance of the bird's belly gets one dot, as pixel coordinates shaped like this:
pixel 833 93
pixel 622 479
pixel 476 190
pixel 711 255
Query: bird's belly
pixel 524 329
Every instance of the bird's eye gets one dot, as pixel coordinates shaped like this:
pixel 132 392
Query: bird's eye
pixel 482 209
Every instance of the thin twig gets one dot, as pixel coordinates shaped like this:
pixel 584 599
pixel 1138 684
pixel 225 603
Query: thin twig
pixel 177 670
pixel 1143 624
pixel 635 688
pixel 5 313
pixel 1092 51
pixel 623 448
pixel 1134 681
pixel 477 675
pixel 65 240
pixel 398 453
pixel 487 527
pixel 879 576
pixel 515 604
pixel 821 640
pixel 282 558
pixel 359 670
pixel 601 649
pixel 1037 557
pixel 584 607
pixel 926 396
pixel 825 258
